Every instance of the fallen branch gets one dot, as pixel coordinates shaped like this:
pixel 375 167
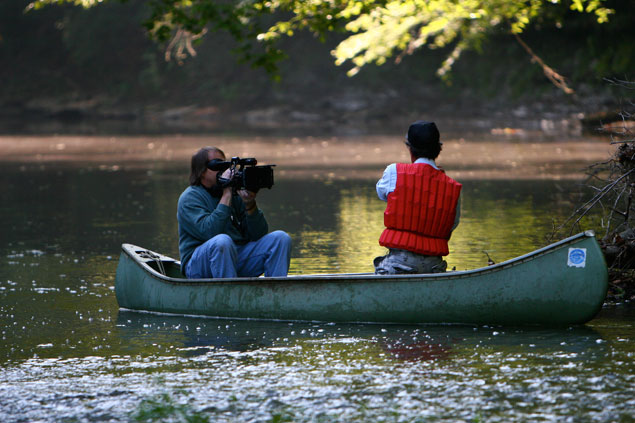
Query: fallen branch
pixel 586 207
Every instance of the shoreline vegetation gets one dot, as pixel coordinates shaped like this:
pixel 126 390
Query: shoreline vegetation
pixel 611 182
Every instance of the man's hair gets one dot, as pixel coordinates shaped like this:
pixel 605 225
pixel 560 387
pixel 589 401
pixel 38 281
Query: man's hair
pixel 429 152
pixel 199 163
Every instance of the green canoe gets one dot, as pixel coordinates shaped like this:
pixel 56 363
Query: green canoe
pixel 563 283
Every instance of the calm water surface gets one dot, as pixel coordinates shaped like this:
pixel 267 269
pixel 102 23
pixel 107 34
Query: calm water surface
pixel 68 354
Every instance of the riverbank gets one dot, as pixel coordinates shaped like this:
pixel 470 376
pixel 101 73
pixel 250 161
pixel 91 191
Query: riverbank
pixel 621 286
pixel 513 156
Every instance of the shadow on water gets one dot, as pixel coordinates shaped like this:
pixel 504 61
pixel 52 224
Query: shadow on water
pixel 200 336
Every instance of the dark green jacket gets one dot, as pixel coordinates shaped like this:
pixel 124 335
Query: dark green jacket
pixel 201 218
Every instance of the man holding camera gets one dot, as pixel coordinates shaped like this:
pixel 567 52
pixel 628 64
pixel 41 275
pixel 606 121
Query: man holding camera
pixel 422 210
pixel 222 233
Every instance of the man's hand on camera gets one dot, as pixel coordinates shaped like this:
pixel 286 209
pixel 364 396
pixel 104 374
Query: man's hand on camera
pixel 227 191
pixel 249 198
pixel 227 174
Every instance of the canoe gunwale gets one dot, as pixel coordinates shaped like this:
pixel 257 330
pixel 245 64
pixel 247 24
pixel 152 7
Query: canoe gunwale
pixel 132 251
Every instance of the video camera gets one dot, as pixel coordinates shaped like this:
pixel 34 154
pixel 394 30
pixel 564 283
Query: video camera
pixel 245 174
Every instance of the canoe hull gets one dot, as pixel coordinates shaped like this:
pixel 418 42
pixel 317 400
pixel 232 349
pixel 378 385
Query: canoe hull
pixel 539 288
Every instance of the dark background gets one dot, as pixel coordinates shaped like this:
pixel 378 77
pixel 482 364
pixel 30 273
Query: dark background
pixel 68 63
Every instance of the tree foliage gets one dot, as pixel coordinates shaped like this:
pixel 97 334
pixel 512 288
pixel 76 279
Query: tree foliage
pixel 374 30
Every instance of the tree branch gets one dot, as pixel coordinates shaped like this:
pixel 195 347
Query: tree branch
pixel 557 79
pixel 585 208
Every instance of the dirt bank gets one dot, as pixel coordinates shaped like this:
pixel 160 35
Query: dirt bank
pixel 499 157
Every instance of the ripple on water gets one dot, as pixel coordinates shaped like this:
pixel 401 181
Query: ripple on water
pixel 446 374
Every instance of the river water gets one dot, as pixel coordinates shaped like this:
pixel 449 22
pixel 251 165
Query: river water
pixel 69 354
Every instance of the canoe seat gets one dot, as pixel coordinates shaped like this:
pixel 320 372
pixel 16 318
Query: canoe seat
pixel 154 260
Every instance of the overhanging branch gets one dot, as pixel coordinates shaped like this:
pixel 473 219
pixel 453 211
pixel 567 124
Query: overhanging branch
pixel 557 79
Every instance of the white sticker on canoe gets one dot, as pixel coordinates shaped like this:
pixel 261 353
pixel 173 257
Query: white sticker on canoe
pixel 577 257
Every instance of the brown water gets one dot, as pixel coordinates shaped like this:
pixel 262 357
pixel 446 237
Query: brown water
pixel 69 354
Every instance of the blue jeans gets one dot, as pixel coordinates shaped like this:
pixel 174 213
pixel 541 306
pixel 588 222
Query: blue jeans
pixel 399 262
pixel 220 257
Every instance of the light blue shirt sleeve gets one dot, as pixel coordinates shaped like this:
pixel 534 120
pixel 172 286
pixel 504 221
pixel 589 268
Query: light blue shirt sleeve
pixel 387 183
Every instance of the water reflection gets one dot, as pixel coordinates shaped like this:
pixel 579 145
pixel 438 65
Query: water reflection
pixel 198 336
pixel 335 224
pixel 504 220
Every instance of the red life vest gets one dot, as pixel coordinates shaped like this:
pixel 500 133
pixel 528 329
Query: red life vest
pixel 421 210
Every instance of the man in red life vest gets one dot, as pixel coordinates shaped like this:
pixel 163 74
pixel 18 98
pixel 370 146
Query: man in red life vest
pixel 422 210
